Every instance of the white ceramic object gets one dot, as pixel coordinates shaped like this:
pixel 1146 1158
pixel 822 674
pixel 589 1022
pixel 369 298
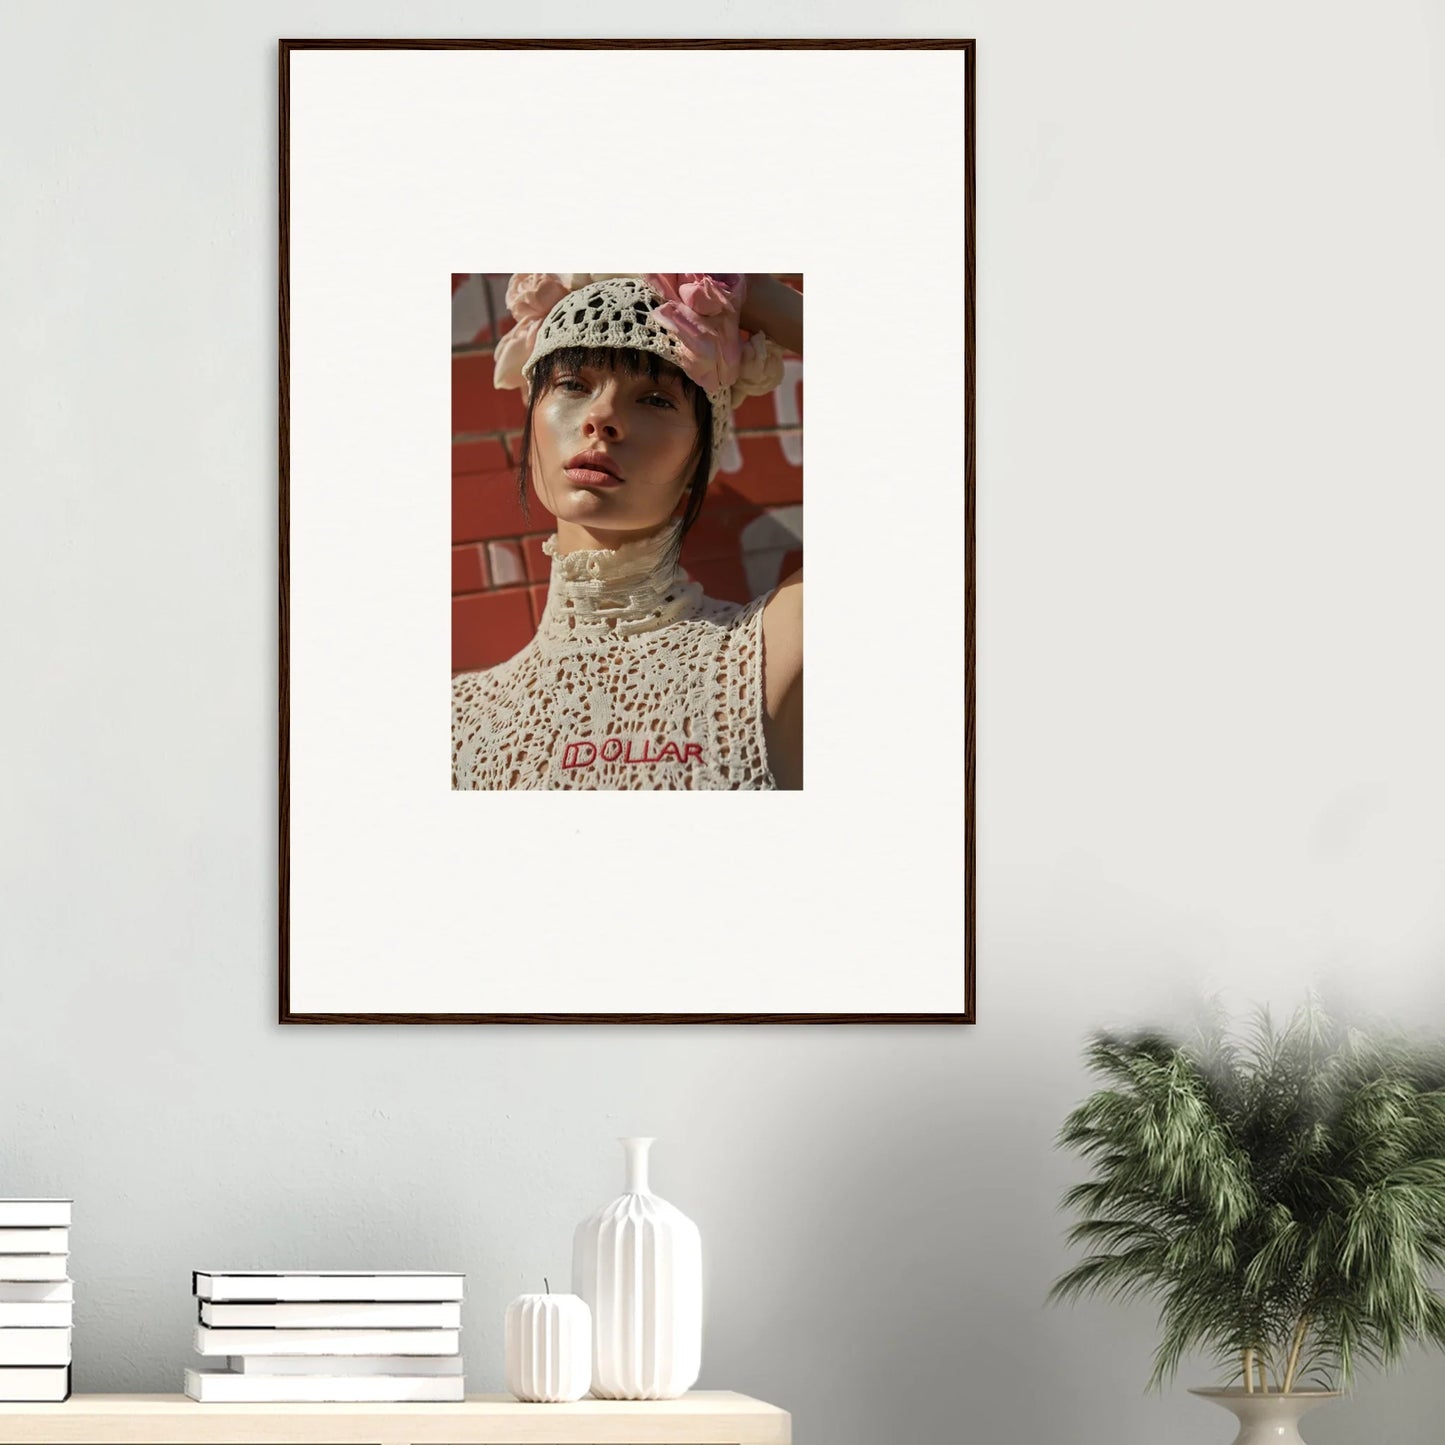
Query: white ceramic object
pixel 549 1347
pixel 1268 1419
pixel 638 1264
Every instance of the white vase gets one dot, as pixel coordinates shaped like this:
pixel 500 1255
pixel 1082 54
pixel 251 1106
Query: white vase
pixel 549 1347
pixel 638 1264
pixel 1268 1419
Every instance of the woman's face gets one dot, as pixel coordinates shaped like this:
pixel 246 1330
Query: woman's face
pixel 611 450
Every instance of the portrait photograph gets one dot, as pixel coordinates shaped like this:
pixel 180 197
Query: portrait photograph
pixel 627 531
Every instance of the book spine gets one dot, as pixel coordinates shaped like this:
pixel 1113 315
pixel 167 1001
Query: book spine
pixel 223 1386
pixel 345 1364
pixel 33 1213
pixel 47 1386
pixel 24 1240
pixel 36 1291
pixel 334 1315
pixel 36 1315
pixel 212 1341
pixel 313 1289
pixel 18 1267
pixel 34 1347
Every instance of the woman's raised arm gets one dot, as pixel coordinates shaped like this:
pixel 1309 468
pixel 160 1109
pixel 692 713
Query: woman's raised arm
pixel 775 309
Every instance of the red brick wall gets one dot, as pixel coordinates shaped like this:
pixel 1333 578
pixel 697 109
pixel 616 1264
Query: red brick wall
pixel 738 548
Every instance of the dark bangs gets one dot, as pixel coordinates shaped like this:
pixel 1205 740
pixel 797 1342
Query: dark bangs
pixel 610 358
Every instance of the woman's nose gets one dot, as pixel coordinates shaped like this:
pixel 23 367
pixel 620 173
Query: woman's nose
pixel 602 414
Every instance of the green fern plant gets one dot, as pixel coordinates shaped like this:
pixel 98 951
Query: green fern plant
pixel 1281 1196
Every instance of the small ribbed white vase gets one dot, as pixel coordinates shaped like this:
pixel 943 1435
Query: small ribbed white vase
pixel 549 1347
pixel 638 1264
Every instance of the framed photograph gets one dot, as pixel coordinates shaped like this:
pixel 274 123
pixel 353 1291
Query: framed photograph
pixel 541 531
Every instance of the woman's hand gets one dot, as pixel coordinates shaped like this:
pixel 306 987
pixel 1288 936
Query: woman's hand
pixel 774 309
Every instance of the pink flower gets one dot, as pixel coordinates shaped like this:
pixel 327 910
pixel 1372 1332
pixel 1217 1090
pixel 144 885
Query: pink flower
pixel 701 310
pixel 511 355
pixel 531 295
pixel 710 295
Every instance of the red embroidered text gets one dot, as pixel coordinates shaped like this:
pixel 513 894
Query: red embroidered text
pixel 633 750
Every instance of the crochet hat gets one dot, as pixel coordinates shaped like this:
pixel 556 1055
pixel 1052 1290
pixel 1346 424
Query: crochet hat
pixel 689 319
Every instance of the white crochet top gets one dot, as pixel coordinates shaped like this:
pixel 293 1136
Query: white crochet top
pixel 634 679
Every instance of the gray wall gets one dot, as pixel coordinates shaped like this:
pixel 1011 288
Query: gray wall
pixel 1210 513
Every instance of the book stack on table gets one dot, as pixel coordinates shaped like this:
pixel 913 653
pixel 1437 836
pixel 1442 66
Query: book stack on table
pixel 297 1335
pixel 35 1299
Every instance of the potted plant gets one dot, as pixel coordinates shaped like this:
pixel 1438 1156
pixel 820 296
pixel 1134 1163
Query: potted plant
pixel 1280 1195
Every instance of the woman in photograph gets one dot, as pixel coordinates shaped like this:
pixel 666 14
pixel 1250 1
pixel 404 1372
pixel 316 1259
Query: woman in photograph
pixel 635 679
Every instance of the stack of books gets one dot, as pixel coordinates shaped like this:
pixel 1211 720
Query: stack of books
pixel 35 1299
pixel 290 1335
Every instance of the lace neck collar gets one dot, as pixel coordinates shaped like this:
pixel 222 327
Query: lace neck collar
pixel 597 594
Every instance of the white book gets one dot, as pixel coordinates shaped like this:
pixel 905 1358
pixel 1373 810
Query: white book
pixel 326 1342
pixel 34 1241
pixel 345 1316
pixel 346 1364
pixel 47 1384
pixel 36 1315
pixel 222 1385
pixel 39 1291
pixel 33 1266
pixel 260 1285
pixel 34 1347
pixel 34 1211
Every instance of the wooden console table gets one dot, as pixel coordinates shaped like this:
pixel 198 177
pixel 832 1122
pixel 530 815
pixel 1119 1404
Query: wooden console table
pixel 704 1417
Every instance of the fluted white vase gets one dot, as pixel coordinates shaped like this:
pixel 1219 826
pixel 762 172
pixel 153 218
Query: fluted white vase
pixel 549 1347
pixel 638 1264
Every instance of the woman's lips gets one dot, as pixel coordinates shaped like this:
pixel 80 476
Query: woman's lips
pixel 591 477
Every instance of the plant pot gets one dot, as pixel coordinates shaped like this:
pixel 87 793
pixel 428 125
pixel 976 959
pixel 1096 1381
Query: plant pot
pixel 1266 1419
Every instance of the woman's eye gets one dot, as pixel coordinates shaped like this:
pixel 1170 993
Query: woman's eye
pixel 574 384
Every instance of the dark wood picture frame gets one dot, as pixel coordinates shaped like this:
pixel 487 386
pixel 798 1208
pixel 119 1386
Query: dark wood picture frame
pixel 286 1014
